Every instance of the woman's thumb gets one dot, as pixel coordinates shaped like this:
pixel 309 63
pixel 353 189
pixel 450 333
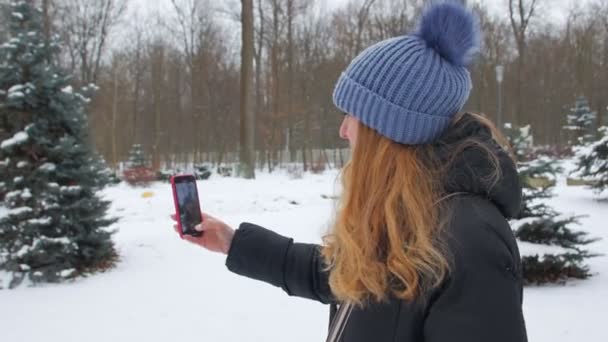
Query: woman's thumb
pixel 203 226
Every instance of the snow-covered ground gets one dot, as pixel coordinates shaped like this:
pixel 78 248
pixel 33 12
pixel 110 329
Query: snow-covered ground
pixel 166 290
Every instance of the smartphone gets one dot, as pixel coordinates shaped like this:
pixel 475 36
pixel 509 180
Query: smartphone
pixel 187 207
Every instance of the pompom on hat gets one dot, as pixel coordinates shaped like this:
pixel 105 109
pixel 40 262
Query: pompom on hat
pixel 409 88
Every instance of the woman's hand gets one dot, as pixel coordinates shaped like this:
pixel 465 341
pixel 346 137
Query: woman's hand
pixel 217 236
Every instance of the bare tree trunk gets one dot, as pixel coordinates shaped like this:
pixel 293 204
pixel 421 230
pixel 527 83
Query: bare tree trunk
pixel 114 132
pixel 158 77
pixel 520 14
pixel 362 18
pixel 136 92
pixel 290 114
pixel 246 149
pixel 259 99
pixel 276 132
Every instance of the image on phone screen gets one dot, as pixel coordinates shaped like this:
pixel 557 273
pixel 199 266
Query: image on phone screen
pixel 189 209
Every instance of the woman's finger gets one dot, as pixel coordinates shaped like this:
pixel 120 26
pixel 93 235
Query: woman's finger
pixel 201 227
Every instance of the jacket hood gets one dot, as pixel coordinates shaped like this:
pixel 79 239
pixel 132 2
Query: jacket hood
pixel 472 170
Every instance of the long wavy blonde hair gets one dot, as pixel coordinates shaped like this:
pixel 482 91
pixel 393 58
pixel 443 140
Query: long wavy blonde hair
pixel 386 238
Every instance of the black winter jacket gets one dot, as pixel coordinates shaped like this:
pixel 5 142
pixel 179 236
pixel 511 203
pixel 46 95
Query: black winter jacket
pixel 480 300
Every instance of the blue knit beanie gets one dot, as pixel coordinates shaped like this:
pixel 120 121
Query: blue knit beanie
pixel 408 88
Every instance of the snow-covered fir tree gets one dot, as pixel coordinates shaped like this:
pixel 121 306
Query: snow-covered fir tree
pixel 592 162
pixel 551 250
pixel 580 122
pixel 137 157
pixel 138 171
pixel 54 226
pixel 521 140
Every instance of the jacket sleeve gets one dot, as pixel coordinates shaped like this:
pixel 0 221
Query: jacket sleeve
pixel 264 255
pixel 481 299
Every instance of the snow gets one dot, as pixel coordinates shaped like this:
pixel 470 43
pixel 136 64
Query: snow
pixel 82 98
pixel 18 91
pixel 17 139
pixel 3 211
pixel 22 164
pixel 515 225
pixel 17 15
pixel 67 273
pixel 47 167
pixel 166 289
pixel 19 211
pixel 26 194
pixel 15 95
pixel 71 190
pixel 8 45
pixel 16 88
pixel 531 249
pixel 18 179
pixel 62 240
pixel 68 90
pixel 11 195
pixel 49 205
pixel 28 248
pixel 23 251
pixel 45 221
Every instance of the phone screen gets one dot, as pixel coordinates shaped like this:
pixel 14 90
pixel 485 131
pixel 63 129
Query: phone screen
pixel 189 208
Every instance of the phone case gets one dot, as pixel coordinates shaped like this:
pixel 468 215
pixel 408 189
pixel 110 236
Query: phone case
pixel 176 204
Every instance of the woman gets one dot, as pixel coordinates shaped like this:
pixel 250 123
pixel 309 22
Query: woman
pixel 421 249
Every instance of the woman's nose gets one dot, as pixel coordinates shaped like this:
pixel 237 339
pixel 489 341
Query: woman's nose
pixel 343 129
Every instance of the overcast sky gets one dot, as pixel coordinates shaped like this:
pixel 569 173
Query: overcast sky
pixel 553 11
pixel 554 8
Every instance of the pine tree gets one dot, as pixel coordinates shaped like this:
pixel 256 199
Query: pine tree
pixel 137 157
pixel 551 250
pixel 54 226
pixel 580 123
pixel 593 162
pixel 138 171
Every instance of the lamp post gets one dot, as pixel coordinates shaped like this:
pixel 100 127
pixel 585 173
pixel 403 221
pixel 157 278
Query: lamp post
pixel 500 75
